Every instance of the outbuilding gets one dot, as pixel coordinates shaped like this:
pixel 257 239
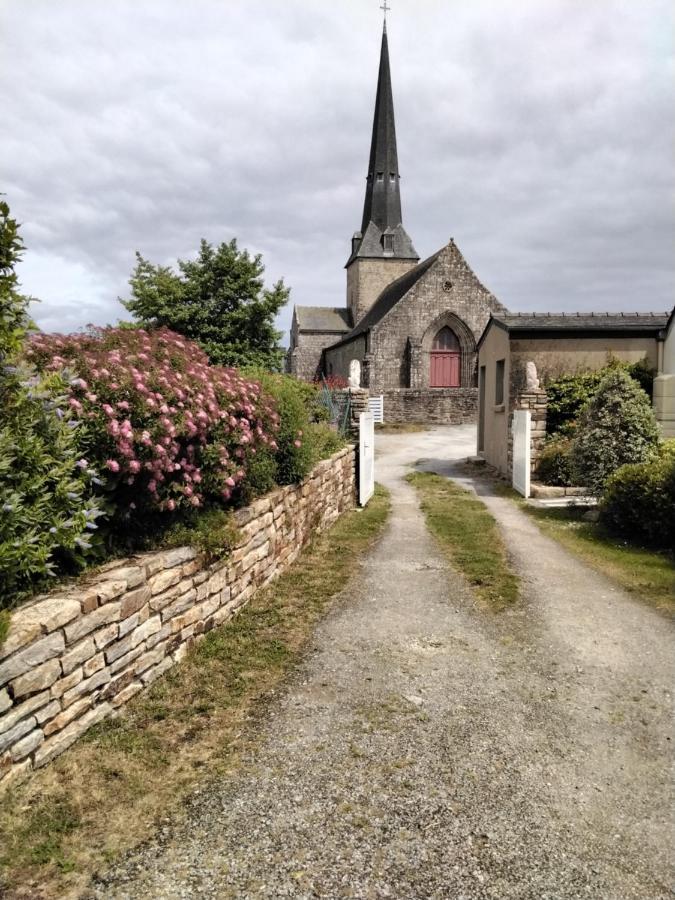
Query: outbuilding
pixel 519 352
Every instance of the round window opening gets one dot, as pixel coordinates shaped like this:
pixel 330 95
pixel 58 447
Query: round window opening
pixel 447 286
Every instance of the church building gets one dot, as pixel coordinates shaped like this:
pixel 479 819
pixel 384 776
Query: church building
pixel 409 329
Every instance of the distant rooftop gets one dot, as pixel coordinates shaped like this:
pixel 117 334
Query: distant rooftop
pixel 323 318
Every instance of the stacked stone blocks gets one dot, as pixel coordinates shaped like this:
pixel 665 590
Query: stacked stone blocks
pixel 74 658
pixel 536 402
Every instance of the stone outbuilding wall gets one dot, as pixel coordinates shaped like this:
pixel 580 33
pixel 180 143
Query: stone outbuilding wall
pixel 74 657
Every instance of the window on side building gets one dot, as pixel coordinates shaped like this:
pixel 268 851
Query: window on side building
pixel 499 383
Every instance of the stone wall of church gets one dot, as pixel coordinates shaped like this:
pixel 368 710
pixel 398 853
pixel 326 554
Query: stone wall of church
pixel 338 358
pixel 435 406
pixel 447 292
pixel 304 360
pixel 367 278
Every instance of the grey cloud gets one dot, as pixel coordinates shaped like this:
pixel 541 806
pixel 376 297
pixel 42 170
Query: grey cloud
pixel 537 134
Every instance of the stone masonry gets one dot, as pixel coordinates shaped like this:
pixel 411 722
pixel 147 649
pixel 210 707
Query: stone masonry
pixel 74 657
pixel 535 401
pixel 435 406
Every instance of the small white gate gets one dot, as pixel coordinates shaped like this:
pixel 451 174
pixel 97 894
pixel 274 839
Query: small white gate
pixel 521 451
pixel 366 457
pixel 376 407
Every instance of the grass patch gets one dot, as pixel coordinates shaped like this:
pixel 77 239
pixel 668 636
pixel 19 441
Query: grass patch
pixel 647 573
pixel 400 427
pixel 109 791
pixel 469 535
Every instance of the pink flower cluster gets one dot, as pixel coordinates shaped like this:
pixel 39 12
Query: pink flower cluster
pixel 170 428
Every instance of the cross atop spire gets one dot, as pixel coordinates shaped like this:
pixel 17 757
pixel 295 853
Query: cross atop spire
pixel 385 9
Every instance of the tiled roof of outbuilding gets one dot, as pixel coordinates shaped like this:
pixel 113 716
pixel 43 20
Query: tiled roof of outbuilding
pixel 585 321
pixel 569 324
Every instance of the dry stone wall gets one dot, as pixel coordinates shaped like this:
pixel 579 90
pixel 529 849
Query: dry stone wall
pixel 438 406
pixel 73 658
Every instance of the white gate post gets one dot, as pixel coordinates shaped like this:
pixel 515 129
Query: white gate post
pixel 366 457
pixel 522 449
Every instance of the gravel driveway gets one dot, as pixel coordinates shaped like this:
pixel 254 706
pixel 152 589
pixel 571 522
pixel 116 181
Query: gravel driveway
pixel 429 748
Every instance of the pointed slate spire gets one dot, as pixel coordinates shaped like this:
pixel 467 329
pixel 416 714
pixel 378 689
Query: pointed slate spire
pixel 383 195
pixel 382 233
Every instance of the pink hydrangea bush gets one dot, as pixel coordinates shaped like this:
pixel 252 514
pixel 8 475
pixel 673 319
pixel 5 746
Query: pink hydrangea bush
pixel 164 430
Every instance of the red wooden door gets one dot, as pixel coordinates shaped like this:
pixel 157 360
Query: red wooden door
pixel 444 369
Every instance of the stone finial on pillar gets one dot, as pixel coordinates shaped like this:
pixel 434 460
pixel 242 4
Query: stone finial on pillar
pixel 531 378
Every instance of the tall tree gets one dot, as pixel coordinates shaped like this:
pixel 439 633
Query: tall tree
pixel 218 300
pixel 14 319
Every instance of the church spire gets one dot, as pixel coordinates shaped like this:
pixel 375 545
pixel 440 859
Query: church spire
pixel 383 195
pixel 382 232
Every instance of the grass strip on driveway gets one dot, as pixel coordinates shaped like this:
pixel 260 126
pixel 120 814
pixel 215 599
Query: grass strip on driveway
pixel 648 574
pixel 123 779
pixel 469 535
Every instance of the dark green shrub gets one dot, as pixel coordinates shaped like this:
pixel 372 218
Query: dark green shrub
pixel 639 502
pixel 569 394
pixel 617 427
pixel 554 466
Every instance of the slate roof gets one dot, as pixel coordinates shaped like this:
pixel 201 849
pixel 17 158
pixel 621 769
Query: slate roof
pixel 569 324
pixel 323 318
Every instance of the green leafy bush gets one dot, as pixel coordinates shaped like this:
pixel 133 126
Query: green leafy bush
pixel 617 427
pixel 47 518
pixel 303 437
pixel 569 394
pixel 639 501
pixel 554 466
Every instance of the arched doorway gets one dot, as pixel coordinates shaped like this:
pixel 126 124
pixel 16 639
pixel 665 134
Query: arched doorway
pixel 445 359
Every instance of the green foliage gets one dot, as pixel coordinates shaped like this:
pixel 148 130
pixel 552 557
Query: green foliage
pixel 46 518
pixel 218 300
pixel 212 531
pixel 303 437
pixel 14 319
pixel 554 466
pixel 617 427
pixel 4 625
pixel 639 501
pixel 569 394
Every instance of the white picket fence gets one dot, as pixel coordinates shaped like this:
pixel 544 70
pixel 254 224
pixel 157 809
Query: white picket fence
pixel 376 407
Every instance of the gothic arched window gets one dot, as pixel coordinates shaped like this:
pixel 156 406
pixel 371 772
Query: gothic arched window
pixel 445 359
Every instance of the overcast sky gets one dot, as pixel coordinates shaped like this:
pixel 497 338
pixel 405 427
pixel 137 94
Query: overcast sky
pixel 537 133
